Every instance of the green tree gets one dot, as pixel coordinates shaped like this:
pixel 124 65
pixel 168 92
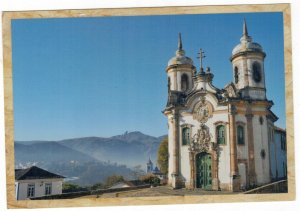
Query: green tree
pixel 150 179
pixel 68 188
pixel 162 156
pixel 97 186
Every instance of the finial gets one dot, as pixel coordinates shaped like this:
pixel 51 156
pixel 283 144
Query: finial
pixel 245 30
pixel 179 42
pixel 245 37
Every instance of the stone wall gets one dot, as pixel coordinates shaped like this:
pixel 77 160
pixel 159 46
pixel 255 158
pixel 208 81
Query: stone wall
pixel 86 193
pixel 276 187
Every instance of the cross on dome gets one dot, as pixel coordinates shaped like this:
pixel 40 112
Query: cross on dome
pixel 200 57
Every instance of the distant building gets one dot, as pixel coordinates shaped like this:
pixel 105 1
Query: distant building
pixel 149 166
pixel 278 154
pixel 35 182
pixel 158 173
pixel 155 171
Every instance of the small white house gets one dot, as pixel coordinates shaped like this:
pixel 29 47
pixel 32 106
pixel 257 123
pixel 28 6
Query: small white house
pixel 35 182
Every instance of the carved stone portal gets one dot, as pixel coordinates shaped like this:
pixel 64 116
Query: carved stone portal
pixel 202 110
pixel 200 143
pixel 201 140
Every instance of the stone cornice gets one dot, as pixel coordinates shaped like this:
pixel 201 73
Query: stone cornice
pixel 247 53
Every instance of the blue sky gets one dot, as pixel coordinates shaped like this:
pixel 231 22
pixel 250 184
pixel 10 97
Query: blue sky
pixel 102 76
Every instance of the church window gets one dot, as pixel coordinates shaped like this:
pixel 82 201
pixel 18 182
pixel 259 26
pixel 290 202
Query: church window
pixel 240 134
pixel 169 83
pixel 236 75
pixel 184 82
pixel 256 72
pixel 185 136
pixel 221 134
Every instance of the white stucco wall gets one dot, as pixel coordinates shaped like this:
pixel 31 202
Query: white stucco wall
pixel 252 83
pixel 179 75
pixel 21 187
pixel 262 165
pixel 224 156
pixel 171 76
pixel 278 157
pixel 239 63
pixel 175 78
pixel 244 66
pixel 243 175
pixel 170 148
pixel 224 159
pixel 242 149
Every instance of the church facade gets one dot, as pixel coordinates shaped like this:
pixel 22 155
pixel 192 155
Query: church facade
pixel 219 139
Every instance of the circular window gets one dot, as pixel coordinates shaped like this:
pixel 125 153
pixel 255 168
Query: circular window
pixel 256 72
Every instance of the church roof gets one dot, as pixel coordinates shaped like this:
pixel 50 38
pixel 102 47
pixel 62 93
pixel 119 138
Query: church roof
pixel 180 57
pixel 246 44
pixel 156 170
pixel 279 129
pixel 34 172
pixel 149 161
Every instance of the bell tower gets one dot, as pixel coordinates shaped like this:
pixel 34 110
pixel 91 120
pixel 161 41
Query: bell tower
pixel 248 67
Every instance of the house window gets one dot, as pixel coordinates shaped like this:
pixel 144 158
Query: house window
pixel 30 190
pixel 221 134
pixel 240 134
pixel 185 136
pixel 184 82
pixel 48 189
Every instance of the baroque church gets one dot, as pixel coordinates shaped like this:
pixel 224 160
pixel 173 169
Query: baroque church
pixel 219 139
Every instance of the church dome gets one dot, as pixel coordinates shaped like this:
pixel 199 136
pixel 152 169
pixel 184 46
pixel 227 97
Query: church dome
pixel 180 57
pixel 247 46
pixel 246 43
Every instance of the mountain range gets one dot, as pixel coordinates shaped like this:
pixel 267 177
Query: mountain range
pixel 72 157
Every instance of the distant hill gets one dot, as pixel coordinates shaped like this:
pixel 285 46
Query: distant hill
pixel 131 149
pixel 47 151
pixel 90 159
